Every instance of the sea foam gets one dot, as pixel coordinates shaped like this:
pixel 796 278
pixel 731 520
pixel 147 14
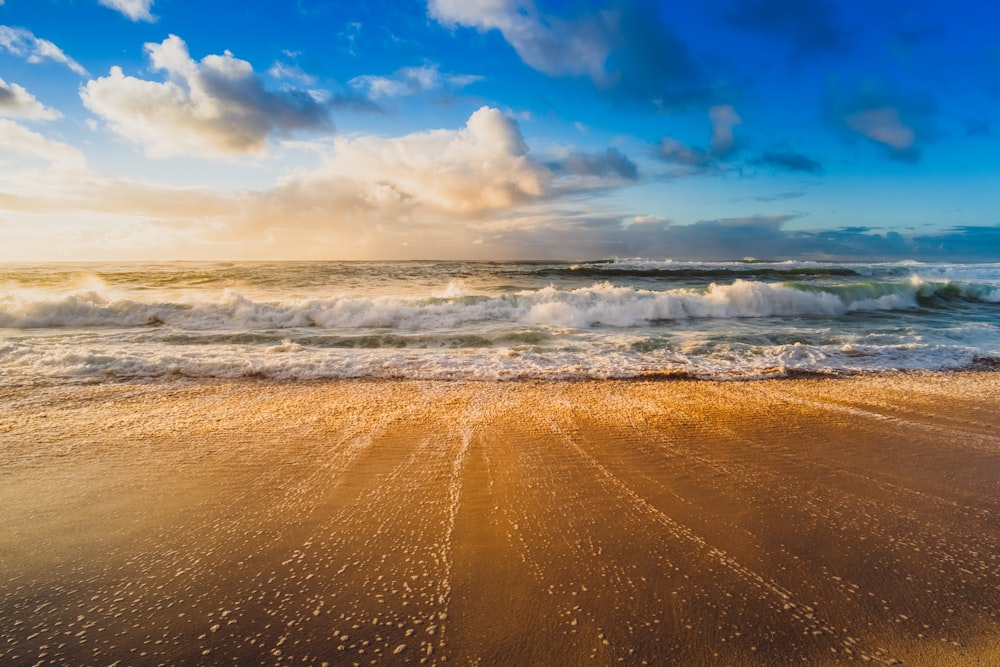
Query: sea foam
pixel 603 304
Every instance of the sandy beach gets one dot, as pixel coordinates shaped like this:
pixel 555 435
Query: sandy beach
pixel 813 521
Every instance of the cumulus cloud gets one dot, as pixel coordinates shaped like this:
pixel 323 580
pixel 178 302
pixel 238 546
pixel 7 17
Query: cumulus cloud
pixel 811 26
pixel 422 194
pixel 446 192
pixel 23 43
pixel 137 10
pixel 16 102
pixel 789 161
pixel 215 107
pixel 458 192
pixel 411 81
pixel 627 51
pixel 900 123
pixel 481 166
pixel 723 143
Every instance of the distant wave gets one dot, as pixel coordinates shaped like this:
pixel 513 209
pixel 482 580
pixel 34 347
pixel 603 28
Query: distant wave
pixel 694 273
pixel 601 304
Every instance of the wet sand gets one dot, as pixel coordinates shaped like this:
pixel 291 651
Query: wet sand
pixel 795 521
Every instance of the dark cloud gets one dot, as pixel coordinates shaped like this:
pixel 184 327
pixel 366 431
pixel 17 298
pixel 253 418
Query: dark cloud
pixel 578 233
pixel 353 103
pixel 612 163
pixel 961 243
pixel 901 123
pixel 723 144
pixel 729 238
pixel 811 26
pixel 788 161
pixel 650 63
pixel 628 50
pixel 766 238
pixel 262 110
pixel 674 152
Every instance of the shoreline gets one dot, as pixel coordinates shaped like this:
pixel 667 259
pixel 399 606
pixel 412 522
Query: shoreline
pixel 984 366
pixel 526 522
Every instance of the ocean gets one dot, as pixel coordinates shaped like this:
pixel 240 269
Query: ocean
pixel 92 323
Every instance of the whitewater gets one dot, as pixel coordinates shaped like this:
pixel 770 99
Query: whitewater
pixel 70 323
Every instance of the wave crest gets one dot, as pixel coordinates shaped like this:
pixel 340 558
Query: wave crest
pixel 601 304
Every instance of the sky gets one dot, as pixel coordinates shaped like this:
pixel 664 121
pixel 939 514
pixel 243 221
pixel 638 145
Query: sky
pixel 499 129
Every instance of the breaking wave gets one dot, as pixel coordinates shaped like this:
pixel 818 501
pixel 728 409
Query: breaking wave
pixel 501 320
pixel 602 304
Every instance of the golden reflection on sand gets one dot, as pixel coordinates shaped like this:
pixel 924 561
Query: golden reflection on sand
pixel 647 522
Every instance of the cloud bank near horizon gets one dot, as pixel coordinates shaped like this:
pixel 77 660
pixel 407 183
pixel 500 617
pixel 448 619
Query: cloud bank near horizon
pixel 473 192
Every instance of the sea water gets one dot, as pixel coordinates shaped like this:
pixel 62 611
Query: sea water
pixel 492 320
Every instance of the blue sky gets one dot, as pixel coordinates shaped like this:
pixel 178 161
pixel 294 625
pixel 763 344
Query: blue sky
pixel 311 129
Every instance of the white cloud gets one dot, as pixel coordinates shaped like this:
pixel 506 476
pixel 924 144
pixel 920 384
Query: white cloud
pixel 24 145
pixel 216 107
pixel 16 102
pixel 350 35
pixel 52 205
pixel 426 194
pixel 549 44
pixel 23 43
pixel 137 10
pixel 650 219
pixel 483 165
pixel 280 70
pixel 411 81
pixel 423 193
